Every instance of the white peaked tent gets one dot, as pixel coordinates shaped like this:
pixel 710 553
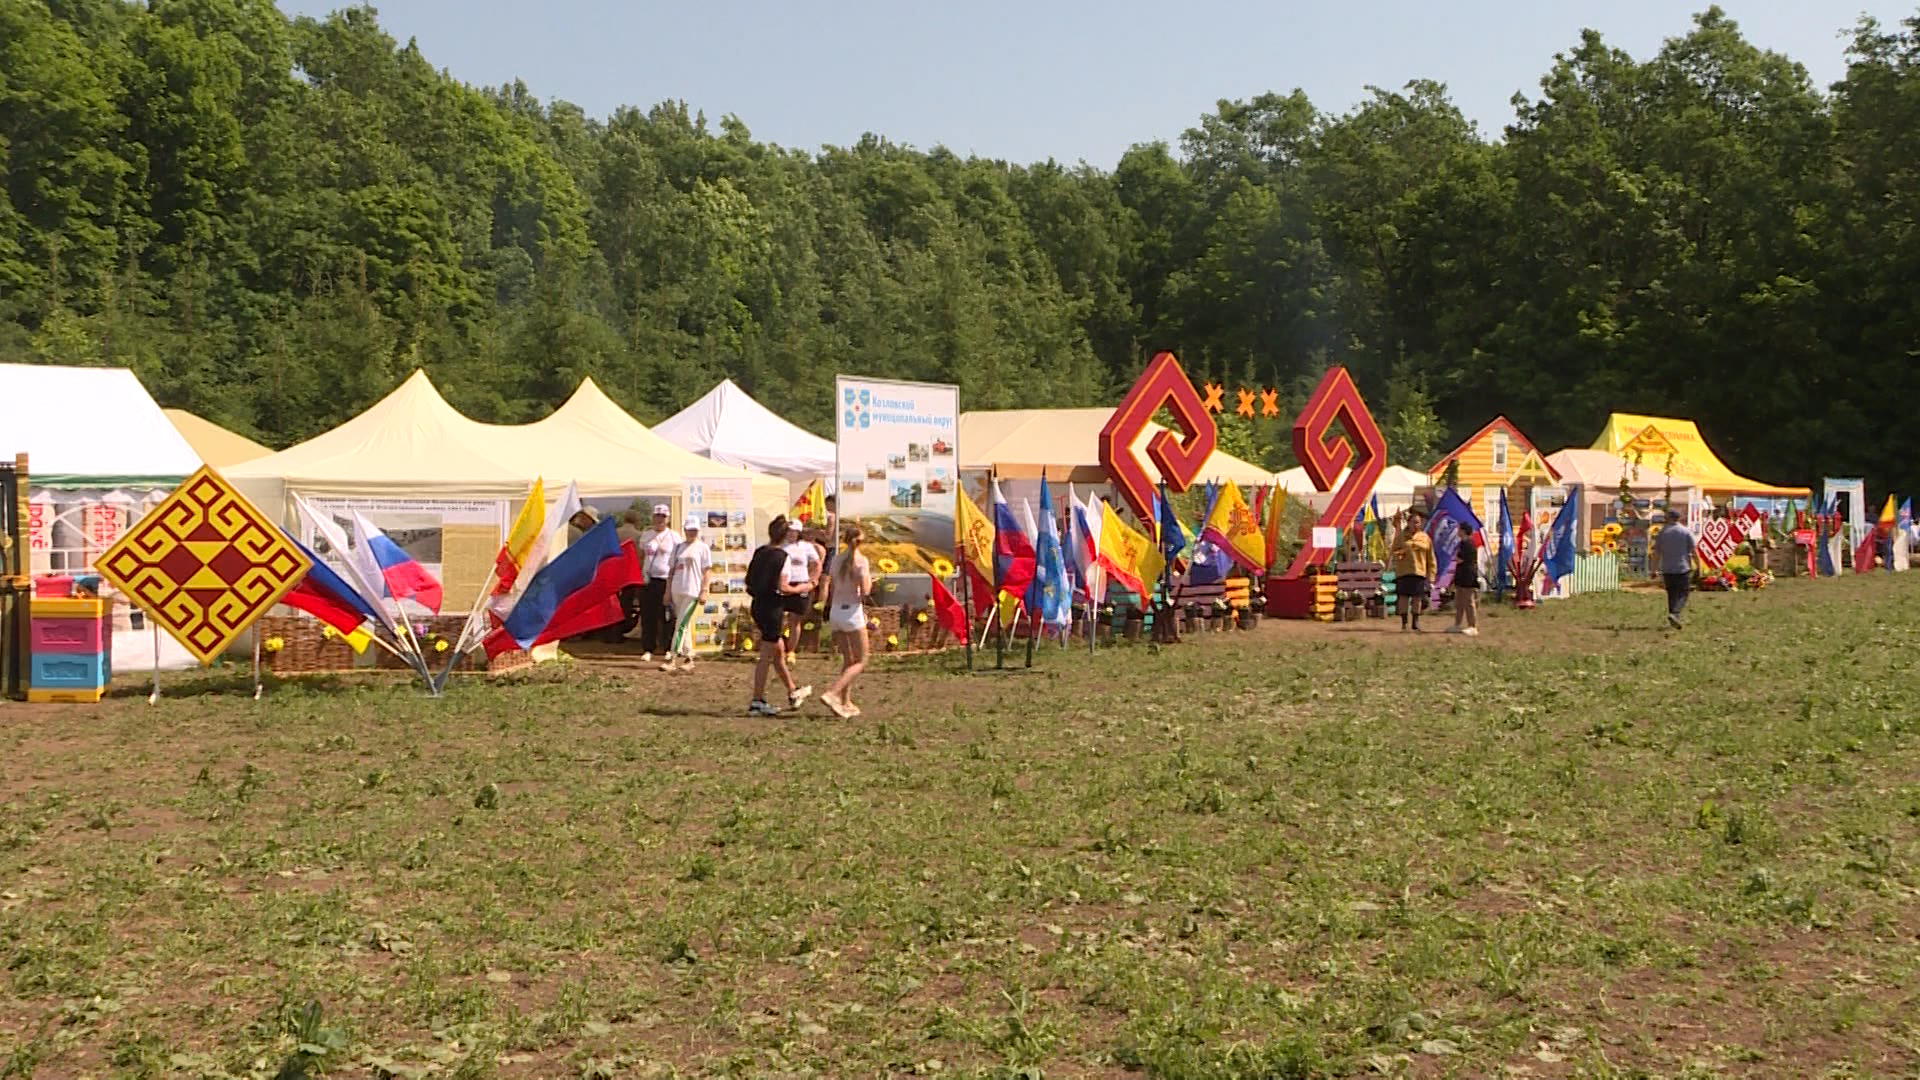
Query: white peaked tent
pixel 730 427
pixel 592 423
pixel 92 428
pixel 1394 490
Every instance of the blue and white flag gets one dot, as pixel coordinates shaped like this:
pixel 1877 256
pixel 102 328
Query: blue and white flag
pixel 1050 596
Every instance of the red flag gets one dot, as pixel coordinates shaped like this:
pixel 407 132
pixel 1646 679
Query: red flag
pixel 947 610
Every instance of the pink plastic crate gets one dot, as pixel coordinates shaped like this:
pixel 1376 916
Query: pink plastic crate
pixel 53 585
pixel 66 636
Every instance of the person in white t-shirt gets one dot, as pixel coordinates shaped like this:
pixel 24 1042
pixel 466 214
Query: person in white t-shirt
pixel 687 585
pixel 655 547
pixel 804 563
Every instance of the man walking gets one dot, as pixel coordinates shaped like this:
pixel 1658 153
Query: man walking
pixel 1673 549
pixel 656 546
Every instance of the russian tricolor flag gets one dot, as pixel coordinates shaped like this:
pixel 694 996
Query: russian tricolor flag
pixel 578 591
pixel 326 596
pixel 404 578
pixel 1012 548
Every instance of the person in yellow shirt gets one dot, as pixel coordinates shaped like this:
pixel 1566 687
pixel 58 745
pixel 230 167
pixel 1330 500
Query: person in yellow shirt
pixel 1413 567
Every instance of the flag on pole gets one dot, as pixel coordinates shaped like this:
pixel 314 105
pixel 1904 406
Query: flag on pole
pixel 363 574
pixel 1503 564
pixel 404 577
pixel 1449 514
pixel 326 596
pixel 520 539
pixel 1049 597
pixel 1233 528
pixel 1174 538
pixel 1012 549
pixel 578 591
pixel 973 548
pixel 1276 506
pixel 811 506
pixel 947 610
pixel 1888 515
pixel 1562 545
pixel 1127 554
pixel 1084 545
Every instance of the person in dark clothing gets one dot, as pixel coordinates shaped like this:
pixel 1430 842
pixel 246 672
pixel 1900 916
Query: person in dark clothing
pixel 1466 586
pixel 769 586
pixel 1673 548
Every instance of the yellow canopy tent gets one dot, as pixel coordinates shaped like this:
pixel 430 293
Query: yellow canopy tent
pixel 1695 464
pixel 216 445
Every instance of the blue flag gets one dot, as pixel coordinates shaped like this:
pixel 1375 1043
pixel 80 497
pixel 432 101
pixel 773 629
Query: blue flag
pixel 1443 527
pixel 1173 535
pixel 1562 545
pixel 1050 596
pixel 1503 570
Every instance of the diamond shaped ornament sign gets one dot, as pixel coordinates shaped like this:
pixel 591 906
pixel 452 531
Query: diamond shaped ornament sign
pixel 204 564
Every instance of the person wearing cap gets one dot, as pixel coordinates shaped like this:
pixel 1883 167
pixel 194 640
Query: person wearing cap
pixel 1413 568
pixel 687 586
pixel 656 547
pixel 805 560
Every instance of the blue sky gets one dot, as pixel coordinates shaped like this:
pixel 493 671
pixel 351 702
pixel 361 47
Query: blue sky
pixel 1066 79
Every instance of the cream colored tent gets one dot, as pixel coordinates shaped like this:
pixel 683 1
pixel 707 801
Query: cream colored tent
pixel 1018 443
pixel 216 445
pixel 413 445
pixel 633 457
pixel 1394 490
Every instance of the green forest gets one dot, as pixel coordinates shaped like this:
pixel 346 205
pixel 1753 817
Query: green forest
pixel 272 220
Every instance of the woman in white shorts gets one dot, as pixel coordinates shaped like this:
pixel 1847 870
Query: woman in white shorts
pixel 849 585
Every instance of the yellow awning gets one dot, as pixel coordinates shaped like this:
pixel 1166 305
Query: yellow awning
pixel 1694 462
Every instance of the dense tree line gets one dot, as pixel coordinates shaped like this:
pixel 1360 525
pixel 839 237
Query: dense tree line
pixel 273 219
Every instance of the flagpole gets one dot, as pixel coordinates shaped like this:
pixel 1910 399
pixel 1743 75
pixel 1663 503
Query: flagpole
pixel 154 698
pixel 966 605
pixel 256 664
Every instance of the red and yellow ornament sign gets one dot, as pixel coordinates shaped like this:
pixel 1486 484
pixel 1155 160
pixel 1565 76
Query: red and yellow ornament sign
pixel 1323 455
pixel 204 564
pixel 1179 460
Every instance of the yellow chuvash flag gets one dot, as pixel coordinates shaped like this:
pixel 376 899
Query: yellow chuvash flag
pixel 1232 528
pixel 811 506
pixel 1276 506
pixel 1127 554
pixel 973 549
pixel 1888 515
pixel 526 529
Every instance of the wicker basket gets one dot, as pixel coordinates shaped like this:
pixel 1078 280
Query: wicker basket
pixel 305 646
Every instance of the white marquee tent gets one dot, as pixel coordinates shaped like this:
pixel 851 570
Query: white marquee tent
pixel 1394 490
pixel 730 427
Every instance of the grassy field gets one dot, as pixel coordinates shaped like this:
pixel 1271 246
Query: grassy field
pixel 1576 847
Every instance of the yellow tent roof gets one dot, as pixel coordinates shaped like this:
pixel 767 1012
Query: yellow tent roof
pixel 412 444
pixel 1070 439
pixel 216 445
pixel 1694 463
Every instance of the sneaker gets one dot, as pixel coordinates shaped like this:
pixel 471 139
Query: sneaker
pixel 852 710
pixel 671 665
pixel 840 708
pixel 1673 620
pixel 795 699
pixel 686 664
pixel 761 708
pixel 1471 631
pixel 646 658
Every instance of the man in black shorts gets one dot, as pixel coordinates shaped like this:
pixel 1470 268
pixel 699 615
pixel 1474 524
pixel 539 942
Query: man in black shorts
pixel 767 584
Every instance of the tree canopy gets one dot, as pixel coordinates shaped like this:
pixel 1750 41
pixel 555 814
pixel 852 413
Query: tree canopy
pixel 273 219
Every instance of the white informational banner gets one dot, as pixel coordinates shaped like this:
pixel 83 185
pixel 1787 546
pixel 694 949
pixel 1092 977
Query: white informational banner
pixel 898 472
pixel 724 508
pixel 454 539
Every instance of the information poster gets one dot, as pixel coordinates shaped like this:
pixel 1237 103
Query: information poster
pixel 454 539
pixel 724 508
pixel 898 475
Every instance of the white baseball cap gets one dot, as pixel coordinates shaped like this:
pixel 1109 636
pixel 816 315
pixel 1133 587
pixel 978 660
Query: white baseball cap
pixel 660 509
pixel 691 523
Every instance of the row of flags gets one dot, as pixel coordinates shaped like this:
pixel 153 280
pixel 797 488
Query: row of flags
pixel 530 600
pixel 1025 561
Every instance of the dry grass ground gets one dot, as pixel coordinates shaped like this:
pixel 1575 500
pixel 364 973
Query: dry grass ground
pixel 1576 847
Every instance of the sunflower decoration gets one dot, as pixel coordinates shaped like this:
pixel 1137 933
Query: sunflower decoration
pixel 920 617
pixel 274 644
pixel 1613 529
pixel 893 641
pixel 888 565
pixel 441 645
pixel 942 568
pixel 806 626
pixel 328 633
